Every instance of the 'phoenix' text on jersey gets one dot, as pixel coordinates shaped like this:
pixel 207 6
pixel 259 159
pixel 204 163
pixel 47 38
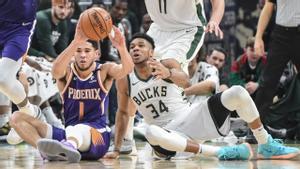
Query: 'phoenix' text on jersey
pixel 84 94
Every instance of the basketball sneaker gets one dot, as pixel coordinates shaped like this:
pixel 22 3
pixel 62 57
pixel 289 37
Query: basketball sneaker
pixel 274 149
pixel 236 152
pixel 128 147
pixel 52 148
pixel 52 158
pixel 13 138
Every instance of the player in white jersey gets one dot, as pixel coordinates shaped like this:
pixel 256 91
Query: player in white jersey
pixel 155 95
pixel 179 27
pixel 152 89
pixel 206 77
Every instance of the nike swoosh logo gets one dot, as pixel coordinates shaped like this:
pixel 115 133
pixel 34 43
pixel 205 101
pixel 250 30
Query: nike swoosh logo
pixel 135 83
pixel 26 23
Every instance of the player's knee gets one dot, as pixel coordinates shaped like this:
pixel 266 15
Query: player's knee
pixel 82 128
pixel 15 119
pixel 239 93
pixel 4 78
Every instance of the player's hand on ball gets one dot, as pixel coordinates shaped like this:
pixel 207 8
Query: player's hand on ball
pixel 117 38
pixel 79 35
pixel 213 26
pixel 112 155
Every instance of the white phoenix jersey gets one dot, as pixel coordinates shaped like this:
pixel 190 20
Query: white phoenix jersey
pixel 172 15
pixel 204 71
pixel 158 101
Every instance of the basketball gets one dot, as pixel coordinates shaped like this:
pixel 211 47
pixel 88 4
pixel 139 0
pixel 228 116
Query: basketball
pixel 96 23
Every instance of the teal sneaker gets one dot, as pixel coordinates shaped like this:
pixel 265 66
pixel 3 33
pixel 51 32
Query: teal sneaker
pixel 236 152
pixel 274 149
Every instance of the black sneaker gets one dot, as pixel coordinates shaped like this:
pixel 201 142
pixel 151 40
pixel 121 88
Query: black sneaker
pixel 4 130
pixel 277 133
pixel 297 134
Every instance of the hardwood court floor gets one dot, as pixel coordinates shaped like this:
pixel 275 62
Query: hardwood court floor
pixel 24 156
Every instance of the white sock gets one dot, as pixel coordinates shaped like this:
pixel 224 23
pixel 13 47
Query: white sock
pixel 51 118
pixel 28 109
pixel 208 150
pixel 261 135
pixel 4 118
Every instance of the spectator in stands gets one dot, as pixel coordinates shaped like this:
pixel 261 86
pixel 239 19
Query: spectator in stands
pixel 146 22
pixel 118 13
pixel 51 32
pixel 217 57
pixel 247 69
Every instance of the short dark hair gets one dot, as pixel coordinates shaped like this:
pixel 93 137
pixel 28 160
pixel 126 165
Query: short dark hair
pixel 250 42
pixel 143 36
pixel 219 49
pixel 94 44
pixel 113 3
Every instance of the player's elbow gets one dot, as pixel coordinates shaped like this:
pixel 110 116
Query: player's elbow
pixel 55 73
pixel 211 86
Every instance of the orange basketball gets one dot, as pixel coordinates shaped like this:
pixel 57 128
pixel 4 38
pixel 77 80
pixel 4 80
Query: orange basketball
pixel 96 23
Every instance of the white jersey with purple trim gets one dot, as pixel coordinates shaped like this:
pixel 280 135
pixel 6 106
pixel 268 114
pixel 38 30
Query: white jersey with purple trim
pixel 172 15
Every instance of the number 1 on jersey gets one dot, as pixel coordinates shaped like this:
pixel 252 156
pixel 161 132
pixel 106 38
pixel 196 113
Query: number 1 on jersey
pixel 81 110
pixel 164 4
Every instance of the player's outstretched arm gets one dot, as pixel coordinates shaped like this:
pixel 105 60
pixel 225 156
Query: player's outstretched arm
pixel 61 63
pixel 205 87
pixel 126 108
pixel 118 71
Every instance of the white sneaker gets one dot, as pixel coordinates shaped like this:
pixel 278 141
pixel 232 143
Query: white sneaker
pixel 13 137
pixel 231 139
pixel 128 147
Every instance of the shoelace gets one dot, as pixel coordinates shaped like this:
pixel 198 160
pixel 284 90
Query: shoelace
pixel 279 141
pixel 276 142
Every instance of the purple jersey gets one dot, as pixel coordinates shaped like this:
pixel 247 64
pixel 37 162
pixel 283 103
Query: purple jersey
pixel 18 11
pixel 85 100
pixel 17 22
